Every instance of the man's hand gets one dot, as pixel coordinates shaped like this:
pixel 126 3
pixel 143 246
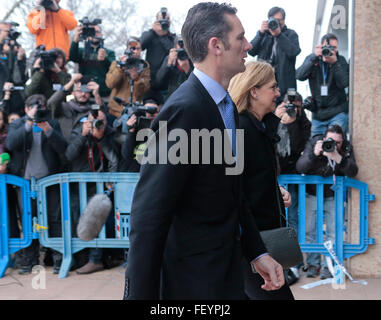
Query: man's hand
pixel 318 150
pixel 37 64
pixel 44 126
pixel 77 34
pixel 98 134
pixel 264 27
pixel 276 32
pixel 86 128
pixel 94 87
pixel 286 197
pixel 56 68
pixel 280 110
pixel 271 271
pixel 331 59
pixel 158 29
pixel 131 122
pixel 102 54
pixel 318 50
pixel 334 155
pixel 172 57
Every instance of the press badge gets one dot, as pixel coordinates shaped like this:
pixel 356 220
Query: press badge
pixel 57 87
pixel 324 91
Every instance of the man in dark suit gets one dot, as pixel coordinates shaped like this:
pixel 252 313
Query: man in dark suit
pixel 189 230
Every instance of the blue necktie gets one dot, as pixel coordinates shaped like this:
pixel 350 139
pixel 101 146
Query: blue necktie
pixel 229 119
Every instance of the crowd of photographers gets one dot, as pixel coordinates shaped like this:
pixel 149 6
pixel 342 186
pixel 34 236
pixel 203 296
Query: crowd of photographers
pixel 52 121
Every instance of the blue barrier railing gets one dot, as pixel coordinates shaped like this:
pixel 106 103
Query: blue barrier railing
pixel 124 186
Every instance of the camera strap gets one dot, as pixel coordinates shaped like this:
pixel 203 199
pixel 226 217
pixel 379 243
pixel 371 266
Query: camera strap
pixel 332 164
pixel 90 155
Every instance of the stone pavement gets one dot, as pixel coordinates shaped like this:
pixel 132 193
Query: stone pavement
pixel 108 285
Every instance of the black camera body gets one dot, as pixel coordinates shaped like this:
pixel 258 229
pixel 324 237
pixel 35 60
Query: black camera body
pixel 137 109
pixel 42 113
pixel 309 104
pixel 96 123
pixel 164 22
pixel 329 145
pixel 326 51
pixel 181 52
pixel 290 107
pixel 273 23
pixel 48 58
pixel 132 62
pixel 88 27
pixel 47 4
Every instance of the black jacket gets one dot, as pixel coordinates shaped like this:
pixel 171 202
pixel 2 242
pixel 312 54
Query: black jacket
pixel 260 184
pixel 311 164
pixel 157 49
pixel 299 132
pixel 185 238
pixel 337 80
pixel 287 50
pixel 19 142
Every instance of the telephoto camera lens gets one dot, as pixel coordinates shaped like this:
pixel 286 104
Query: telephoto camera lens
pixel 329 145
pixel 273 24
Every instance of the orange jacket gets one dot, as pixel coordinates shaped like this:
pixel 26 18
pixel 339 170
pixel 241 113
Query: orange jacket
pixel 55 32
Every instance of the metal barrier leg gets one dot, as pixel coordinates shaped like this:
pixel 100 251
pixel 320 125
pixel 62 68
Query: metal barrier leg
pixel 4 234
pixel 67 256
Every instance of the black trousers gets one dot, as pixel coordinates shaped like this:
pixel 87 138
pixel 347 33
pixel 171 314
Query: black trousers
pixel 253 283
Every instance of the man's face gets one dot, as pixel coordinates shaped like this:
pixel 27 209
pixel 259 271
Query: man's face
pixel 60 61
pixel 280 18
pixel 4 31
pixel 234 58
pixel 136 48
pixel 337 137
pixel 80 96
pixel 333 43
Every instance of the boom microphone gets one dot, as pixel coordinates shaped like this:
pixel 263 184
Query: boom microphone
pixel 94 217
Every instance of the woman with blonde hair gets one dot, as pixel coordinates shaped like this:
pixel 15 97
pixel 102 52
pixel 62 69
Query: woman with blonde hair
pixel 255 93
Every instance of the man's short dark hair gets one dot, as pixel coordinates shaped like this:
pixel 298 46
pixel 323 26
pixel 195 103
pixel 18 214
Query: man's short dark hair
pixel 328 37
pixel 335 129
pixel 204 21
pixel 273 11
pixel 35 99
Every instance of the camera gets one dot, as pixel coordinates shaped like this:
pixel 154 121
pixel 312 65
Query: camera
pixel 290 107
pixel 88 27
pixel 181 53
pixel 48 58
pixel 132 62
pixel 164 22
pixel 137 109
pixel 96 123
pixel 46 3
pixel 273 23
pixel 309 104
pixel 326 51
pixel 329 145
pixel 42 113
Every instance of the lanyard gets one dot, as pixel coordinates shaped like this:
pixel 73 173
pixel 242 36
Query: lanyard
pixel 325 72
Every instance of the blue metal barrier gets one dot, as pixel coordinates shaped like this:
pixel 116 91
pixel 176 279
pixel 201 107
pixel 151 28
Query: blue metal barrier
pixel 342 249
pixel 124 186
pixel 11 245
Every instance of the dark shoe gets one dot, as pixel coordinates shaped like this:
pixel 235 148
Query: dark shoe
pixel 90 267
pixel 290 277
pixel 25 269
pixel 325 273
pixel 312 271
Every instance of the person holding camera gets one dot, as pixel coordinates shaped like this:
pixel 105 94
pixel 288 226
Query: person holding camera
pixel 279 46
pixel 158 41
pixel 325 155
pixel 48 74
pixel 93 59
pixel 129 78
pixel 328 76
pixel 175 69
pixel 36 143
pixel 50 24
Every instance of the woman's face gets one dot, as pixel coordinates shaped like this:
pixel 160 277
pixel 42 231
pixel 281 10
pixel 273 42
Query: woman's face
pixel 265 97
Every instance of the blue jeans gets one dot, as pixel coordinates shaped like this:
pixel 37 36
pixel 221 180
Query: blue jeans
pixel 329 221
pixel 319 127
pixel 292 212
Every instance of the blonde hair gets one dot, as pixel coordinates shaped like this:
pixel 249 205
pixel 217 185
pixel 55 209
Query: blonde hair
pixel 256 75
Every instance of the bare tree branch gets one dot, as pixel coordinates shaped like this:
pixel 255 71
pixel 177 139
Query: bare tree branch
pixel 11 11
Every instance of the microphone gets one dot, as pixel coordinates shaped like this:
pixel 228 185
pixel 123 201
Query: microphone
pixel 94 217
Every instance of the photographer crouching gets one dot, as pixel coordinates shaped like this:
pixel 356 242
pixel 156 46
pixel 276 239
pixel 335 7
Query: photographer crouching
pixel 324 155
pixel 129 78
pixel 175 68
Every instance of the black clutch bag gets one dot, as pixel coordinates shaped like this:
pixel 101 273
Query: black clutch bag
pixel 283 246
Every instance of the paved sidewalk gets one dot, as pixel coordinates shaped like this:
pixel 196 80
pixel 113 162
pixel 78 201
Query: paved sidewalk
pixel 108 285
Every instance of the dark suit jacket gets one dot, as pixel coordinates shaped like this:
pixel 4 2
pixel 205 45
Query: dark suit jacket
pixel 260 173
pixel 185 236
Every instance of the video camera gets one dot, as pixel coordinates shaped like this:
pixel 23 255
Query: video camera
pixel 273 23
pixel 164 22
pixel 181 53
pixel 88 27
pixel 13 35
pixel 48 58
pixel 290 107
pixel 137 109
pixel 326 51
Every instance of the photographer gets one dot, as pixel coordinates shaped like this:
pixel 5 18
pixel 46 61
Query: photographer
pixel 12 69
pixel 279 46
pixel 70 113
pixel 324 155
pixel 132 149
pixel 36 143
pixel 328 75
pixel 129 75
pixel 158 41
pixel 175 68
pixel 92 148
pixel 51 25
pixel 49 73
pixel 93 59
